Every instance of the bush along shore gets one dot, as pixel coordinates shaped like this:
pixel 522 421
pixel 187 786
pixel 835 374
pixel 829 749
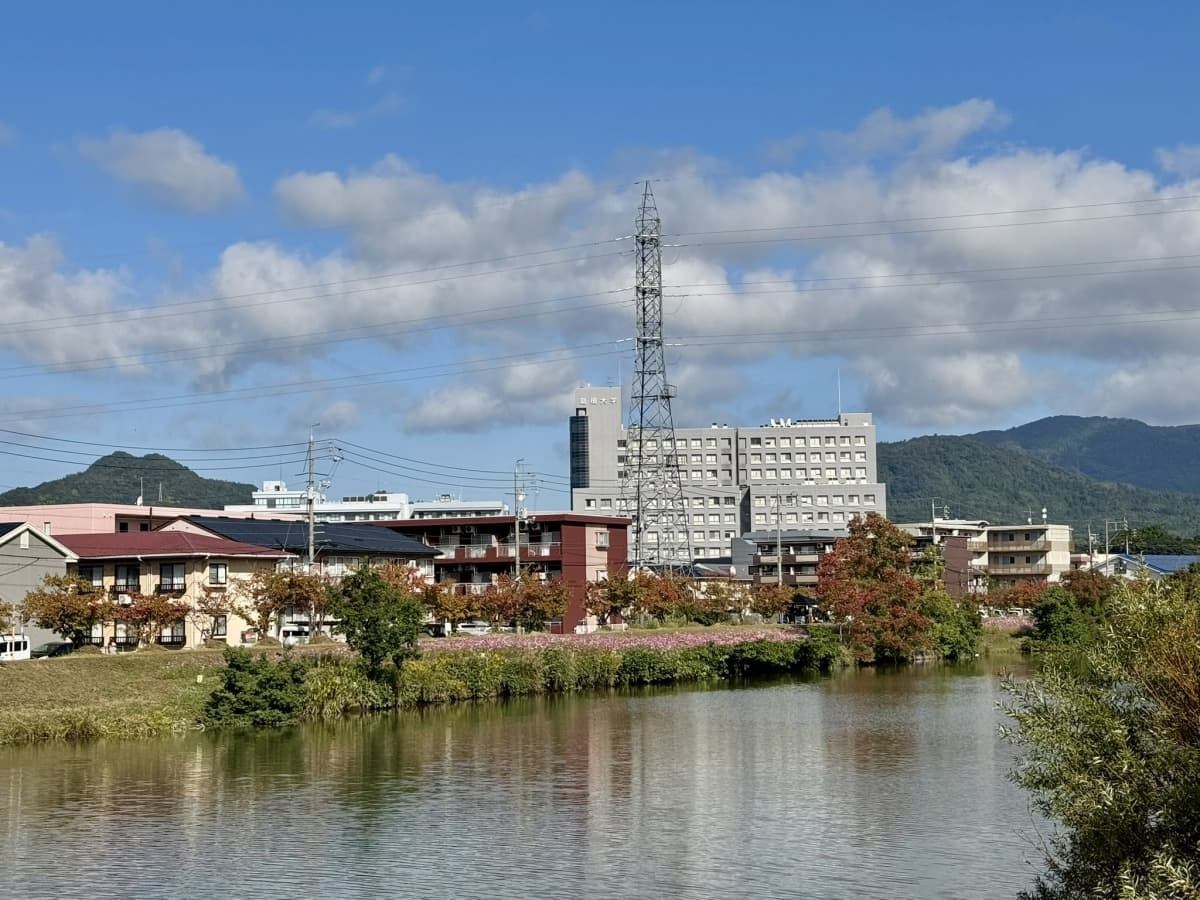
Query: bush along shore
pixel 155 694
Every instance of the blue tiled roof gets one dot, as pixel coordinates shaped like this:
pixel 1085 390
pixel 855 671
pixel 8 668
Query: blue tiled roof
pixel 1165 563
pixel 331 537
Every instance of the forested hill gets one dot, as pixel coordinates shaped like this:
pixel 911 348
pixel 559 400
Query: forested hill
pixel 1124 450
pixel 118 478
pixel 1002 484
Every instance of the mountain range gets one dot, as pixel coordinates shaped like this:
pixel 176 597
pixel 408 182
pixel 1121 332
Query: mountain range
pixel 1083 470
pixel 122 478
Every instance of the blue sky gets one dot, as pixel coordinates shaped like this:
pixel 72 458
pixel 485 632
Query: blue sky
pixel 171 181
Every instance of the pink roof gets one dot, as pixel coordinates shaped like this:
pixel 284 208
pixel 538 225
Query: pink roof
pixel 123 545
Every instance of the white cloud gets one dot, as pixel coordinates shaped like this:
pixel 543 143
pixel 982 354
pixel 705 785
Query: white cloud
pixel 933 131
pixel 531 393
pixel 390 103
pixel 1006 302
pixel 168 167
pixel 1182 159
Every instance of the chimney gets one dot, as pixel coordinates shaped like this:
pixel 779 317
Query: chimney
pixel 46 527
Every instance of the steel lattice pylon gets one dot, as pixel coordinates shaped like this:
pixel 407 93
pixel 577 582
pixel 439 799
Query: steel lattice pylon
pixel 652 489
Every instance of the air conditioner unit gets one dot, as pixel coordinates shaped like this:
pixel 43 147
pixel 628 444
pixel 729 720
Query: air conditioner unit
pixel 468 529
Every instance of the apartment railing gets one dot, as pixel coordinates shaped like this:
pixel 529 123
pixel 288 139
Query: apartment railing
pixel 1019 546
pixel 1019 569
pixel 171 586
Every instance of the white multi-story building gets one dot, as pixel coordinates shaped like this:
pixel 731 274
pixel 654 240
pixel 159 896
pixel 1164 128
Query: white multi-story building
pixel 811 473
pixel 381 506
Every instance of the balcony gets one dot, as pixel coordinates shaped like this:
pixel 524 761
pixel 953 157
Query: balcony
pixel 126 587
pixel 1020 569
pixel 1018 546
pixel 788 580
pixel 471 588
pixel 170 640
pixel 171 587
pixel 807 557
pixel 496 552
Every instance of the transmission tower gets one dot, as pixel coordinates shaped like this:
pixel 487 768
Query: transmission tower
pixel 652 490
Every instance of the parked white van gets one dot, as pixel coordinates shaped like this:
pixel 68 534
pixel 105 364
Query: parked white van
pixel 13 647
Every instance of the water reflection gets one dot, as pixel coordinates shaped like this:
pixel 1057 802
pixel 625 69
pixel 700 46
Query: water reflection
pixel 872 784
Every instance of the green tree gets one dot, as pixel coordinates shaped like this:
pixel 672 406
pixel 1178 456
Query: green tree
pixel 68 605
pixel 380 620
pixel 956 626
pixel 1057 619
pixel 1109 744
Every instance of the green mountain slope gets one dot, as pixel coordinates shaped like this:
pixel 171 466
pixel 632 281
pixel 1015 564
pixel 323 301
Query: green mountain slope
pixel 117 478
pixel 1002 484
pixel 1125 450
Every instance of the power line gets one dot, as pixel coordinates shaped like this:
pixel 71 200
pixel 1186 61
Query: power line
pixel 295 342
pixel 937 218
pixel 951 228
pixel 140 314
pixel 152 449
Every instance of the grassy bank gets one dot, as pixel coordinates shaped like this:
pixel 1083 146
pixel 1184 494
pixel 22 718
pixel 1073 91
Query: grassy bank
pixel 1006 638
pixel 147 694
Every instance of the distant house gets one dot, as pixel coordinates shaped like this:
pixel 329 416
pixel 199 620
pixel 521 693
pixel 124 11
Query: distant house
pixel 1126 565
pixel 186 567
pixel 28 557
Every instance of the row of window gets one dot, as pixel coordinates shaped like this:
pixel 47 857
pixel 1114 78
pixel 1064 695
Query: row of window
pixel 828 440
pixel 714 518
pixel 843 474
pixel 796 518
pixel 820 500
pixel 681 444
pixel 169 575
pixel 844 455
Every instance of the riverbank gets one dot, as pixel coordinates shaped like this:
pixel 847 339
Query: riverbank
pixel 148 693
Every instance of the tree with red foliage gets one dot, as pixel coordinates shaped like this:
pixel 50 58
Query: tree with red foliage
pixel 147 614
pixel 866 582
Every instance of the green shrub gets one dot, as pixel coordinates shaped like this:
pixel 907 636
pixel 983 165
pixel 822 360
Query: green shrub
pixel 597 669
pixel 430 681
pixel 522 673
pixel 257 692
pixel 955 627
pixel 333 689
pixel 823 650
pixel 560 671
pixel 1057 619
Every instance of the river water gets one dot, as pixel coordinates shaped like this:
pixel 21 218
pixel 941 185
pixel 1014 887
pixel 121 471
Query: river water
pixel 861 784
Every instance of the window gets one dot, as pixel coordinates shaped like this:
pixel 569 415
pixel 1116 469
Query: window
pixel 756 457
pixel 711 473
pixel 714 519
pixel 790 518
pixel 854 499
pixel 831 474
pixel 696 443
pixel 785 474
pixel 769 442
pixel 697 501
pixel 822 500
pixel 756 474
pixel 860 473
pixel 696 457
pixel 770 457
pixel 823 517
pixel 755 442
pixel 730 519
pixel 220 626
pixel 697 535
pixel 869 499
pixel 129 578
pixel 760 518
pixel 830 441
pixel 844 440
pixel 785 457
pixel 606 502
pixel 711 443
pixel 844 455
pixel 785 442
pixel 860 440
pixel 814 457
pixel 123 526
pixel 697 474
pixel 806 500
pixel 860 455
pixel 806 517
pixel 845 474
pixel 218 574
pixel 172 577
pixel 760 501
pixel 589 503
pixel 714 535
pixel 730 501
pixel 771 473
pixel 602 539
pixel 839 517
pixel 92 574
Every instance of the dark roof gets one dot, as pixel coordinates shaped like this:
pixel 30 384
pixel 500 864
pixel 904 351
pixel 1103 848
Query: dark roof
pixel 1164 562
pixel 6 527
pixel 119 545
pixel 547 518
pixel 331 537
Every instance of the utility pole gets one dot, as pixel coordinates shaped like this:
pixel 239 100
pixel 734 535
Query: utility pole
pixel 653 490
pixel 779 539
pixel 518 512
pixel 310 500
